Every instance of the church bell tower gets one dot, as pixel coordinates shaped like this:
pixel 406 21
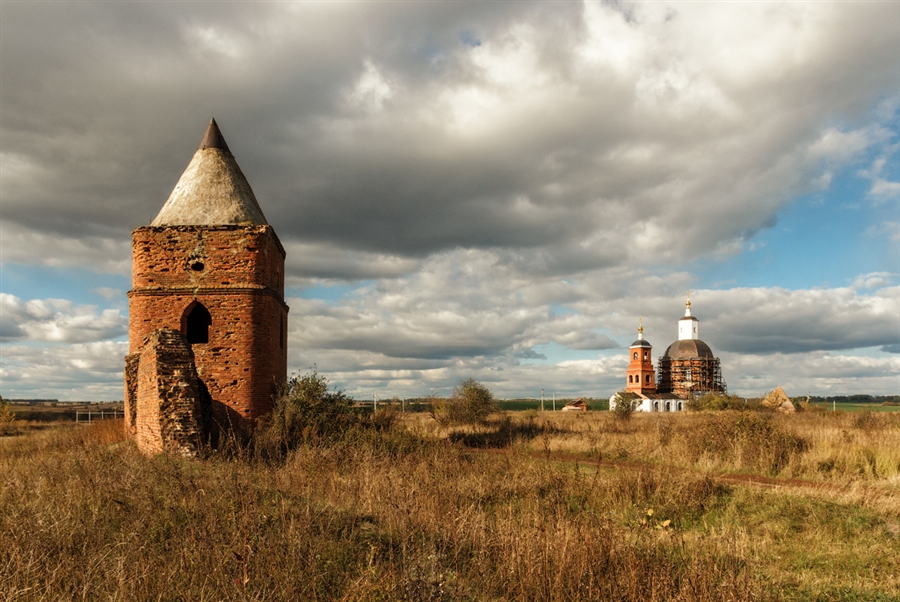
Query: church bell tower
pixel 641 377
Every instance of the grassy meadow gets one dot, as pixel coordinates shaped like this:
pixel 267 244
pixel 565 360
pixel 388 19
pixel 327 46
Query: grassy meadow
pixel 531 506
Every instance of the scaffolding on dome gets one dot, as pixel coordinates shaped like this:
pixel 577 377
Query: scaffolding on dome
pixel 693 377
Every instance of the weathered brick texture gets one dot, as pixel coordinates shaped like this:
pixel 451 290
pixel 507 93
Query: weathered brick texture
pixel 168 405
pixel 132 361
pixel 237 274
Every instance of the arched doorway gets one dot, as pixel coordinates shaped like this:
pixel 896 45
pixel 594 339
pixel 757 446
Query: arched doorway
pixel 196 323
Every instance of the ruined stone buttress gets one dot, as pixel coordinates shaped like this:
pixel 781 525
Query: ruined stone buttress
pixel 208 321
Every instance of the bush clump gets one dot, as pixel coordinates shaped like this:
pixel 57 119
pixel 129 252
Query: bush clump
pixel 745 439
pixel 305 411
pixel 717 401
pixel 626 403
pixel 471 403
pixel 6 417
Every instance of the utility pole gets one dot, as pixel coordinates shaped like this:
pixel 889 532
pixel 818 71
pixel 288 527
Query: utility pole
pixel 542 400
pixel 374 402
pixel 554 402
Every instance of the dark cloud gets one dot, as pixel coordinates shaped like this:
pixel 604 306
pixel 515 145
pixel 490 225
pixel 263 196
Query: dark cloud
pixel 382 129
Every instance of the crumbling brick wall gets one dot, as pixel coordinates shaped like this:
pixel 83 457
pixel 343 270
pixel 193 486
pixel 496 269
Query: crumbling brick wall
pixel 132 361
pixel 166 409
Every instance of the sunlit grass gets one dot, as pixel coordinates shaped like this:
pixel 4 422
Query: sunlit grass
pixel 553 507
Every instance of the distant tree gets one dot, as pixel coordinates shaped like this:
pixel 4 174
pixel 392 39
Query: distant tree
pixel 471 403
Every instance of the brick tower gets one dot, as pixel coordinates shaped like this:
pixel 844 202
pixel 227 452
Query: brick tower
pixel 640 366
pixel 211 268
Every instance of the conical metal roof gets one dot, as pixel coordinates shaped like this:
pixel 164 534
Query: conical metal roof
pixel 212 190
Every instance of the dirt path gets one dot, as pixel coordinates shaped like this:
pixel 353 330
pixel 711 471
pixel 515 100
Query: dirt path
pixel 883 495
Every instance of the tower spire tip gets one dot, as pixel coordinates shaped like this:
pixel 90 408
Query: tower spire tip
pixel 213 138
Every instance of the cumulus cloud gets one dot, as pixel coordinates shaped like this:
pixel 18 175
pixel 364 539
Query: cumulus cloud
pixel 503 186
pixel 882 189
pixel 820 373
pixel 772 320
pixel 470 310
pixel 82 371
pixel 58 321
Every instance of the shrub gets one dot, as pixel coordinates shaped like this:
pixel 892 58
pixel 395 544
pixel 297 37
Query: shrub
pixel 6 416
pixel 305 411
pixel 866 421
pixel 384 417
pixel 748 440
pixel 471 403
pixel 716 401
pixel 626 403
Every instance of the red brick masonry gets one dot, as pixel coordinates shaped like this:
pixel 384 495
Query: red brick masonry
pixel 165 402
pixel 237 274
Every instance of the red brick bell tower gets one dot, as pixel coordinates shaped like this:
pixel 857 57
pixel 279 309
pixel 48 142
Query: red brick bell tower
pixel 641 377
pixel 211 268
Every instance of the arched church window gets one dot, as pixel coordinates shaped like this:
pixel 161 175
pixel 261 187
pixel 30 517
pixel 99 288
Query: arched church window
pixel 197 324
pixel 668 406
pixel 645 355
pixel 647 379
pixel 635 355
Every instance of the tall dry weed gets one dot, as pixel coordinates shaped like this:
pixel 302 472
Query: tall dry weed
pixel 373 515
pixel 743 440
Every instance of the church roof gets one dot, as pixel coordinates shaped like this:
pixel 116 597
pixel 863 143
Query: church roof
pixel 688 349
pixel 212 190
pixel 642 343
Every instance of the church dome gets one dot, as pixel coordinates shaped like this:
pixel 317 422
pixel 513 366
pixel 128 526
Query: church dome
pixel 688 349
pixel 642 343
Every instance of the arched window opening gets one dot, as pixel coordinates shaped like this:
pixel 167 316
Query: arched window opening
pixel 646 355
pixel 197 325
pixel 680 407
pixel 635 355
pixel 668 406
pixel 655 406
pixel 647 379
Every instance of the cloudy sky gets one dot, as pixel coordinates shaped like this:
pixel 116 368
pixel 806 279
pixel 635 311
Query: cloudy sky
pixel 488 189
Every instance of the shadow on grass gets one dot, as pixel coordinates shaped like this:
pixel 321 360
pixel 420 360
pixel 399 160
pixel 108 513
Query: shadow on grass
pixel 504 433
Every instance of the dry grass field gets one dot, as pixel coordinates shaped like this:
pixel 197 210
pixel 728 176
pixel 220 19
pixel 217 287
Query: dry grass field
pixel 552 506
